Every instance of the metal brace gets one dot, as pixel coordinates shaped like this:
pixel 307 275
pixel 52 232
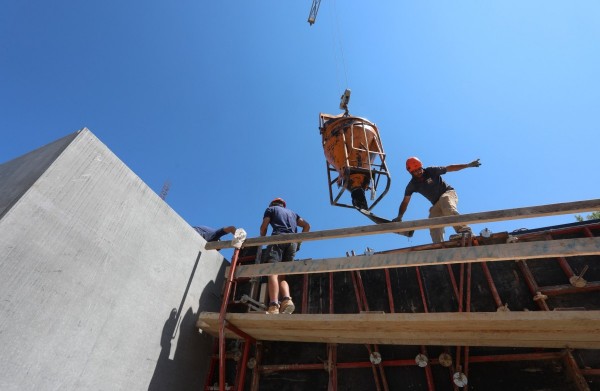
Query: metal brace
pixel 254 304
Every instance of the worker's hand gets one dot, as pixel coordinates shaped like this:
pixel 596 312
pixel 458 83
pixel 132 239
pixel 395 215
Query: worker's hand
pixel 474 163
pixel 298 246
pixel 397 219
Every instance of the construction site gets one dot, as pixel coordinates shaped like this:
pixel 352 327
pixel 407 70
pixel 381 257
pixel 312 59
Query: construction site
pixel 492 311
pixel 107 281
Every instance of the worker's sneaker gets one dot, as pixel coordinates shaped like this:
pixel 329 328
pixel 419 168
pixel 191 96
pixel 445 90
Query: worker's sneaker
pixel 287 306
pixel 273 308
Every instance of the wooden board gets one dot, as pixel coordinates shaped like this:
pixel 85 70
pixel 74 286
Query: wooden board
pixel 470 218
pixel 493 252
pixel 553 329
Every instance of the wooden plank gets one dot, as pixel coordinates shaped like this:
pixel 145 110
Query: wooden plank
pixel 494 252
pixel 469 218
pixel 543 329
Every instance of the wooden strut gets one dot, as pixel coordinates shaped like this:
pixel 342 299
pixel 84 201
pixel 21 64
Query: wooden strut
pixel 436 222
pixel 536 329
pixel 495 252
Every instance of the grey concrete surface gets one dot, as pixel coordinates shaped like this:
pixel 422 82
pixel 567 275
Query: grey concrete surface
pixel 100 280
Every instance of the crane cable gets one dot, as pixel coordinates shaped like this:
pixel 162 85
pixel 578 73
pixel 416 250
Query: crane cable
pixel 336 34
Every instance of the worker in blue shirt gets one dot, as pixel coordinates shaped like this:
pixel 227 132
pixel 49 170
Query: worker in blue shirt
pixel 214 234
pixel 282 221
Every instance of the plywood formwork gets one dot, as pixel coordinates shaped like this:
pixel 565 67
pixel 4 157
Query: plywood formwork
pixel 527 308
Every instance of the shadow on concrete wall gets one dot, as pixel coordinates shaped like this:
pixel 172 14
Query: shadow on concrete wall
pixel 189 365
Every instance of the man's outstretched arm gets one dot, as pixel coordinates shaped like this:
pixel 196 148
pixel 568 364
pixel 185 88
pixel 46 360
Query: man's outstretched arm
pixel 458 167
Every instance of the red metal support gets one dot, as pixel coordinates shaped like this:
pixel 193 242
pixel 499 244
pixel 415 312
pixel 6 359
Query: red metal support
pixel 460 309
pixel 557 289
pixel 256 369
pixel 238 331
pixel 213 359
pixel 222 321
pixel 331 348
pixel 358 299
pixel 516 357
pixel 562 262
pixel 332 366
pixel 564 265
pixel 331 293
pixel 363 303
pixel 590 371
pixel 461 295
pixel 574 371
pixel 389 290
pixel 381 370
pixel 305 294
pixel 290 367
pixel 361 290
pixel 421 288
pixel 534 289
pixel 468 309
pixel 529 279
pixel 428 373
pixel 374 369
pixel 453 280
pixel 566 289
pixel 461 287
pixel 241 378
pixel 536 356
pixel 491 285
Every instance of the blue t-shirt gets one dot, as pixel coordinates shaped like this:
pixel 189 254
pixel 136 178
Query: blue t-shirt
pixel 283 220
pixel 210 234
pixel 431 185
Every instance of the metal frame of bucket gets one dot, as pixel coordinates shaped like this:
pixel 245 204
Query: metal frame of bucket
pixel 376 170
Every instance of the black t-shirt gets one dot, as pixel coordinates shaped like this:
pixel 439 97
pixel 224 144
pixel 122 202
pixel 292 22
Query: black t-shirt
pixel 430 185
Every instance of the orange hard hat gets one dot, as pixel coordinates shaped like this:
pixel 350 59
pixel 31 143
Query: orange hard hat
pixel 278 201
pixel 413 163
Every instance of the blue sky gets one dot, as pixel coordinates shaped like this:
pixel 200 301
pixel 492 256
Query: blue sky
pixel 222 99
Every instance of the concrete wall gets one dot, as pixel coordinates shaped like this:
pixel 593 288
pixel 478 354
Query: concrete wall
pixel 100 280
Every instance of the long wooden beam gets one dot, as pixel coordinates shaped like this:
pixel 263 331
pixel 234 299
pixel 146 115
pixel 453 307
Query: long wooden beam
pixel 405 226
pixel 494 252
pixel 538 329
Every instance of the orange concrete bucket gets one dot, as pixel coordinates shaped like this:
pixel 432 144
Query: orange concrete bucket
pixel 353 151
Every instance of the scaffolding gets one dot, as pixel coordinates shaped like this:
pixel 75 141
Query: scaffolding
pixel 458 316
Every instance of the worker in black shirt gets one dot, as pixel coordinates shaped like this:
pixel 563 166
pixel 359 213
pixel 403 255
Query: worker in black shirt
pixel 429 183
